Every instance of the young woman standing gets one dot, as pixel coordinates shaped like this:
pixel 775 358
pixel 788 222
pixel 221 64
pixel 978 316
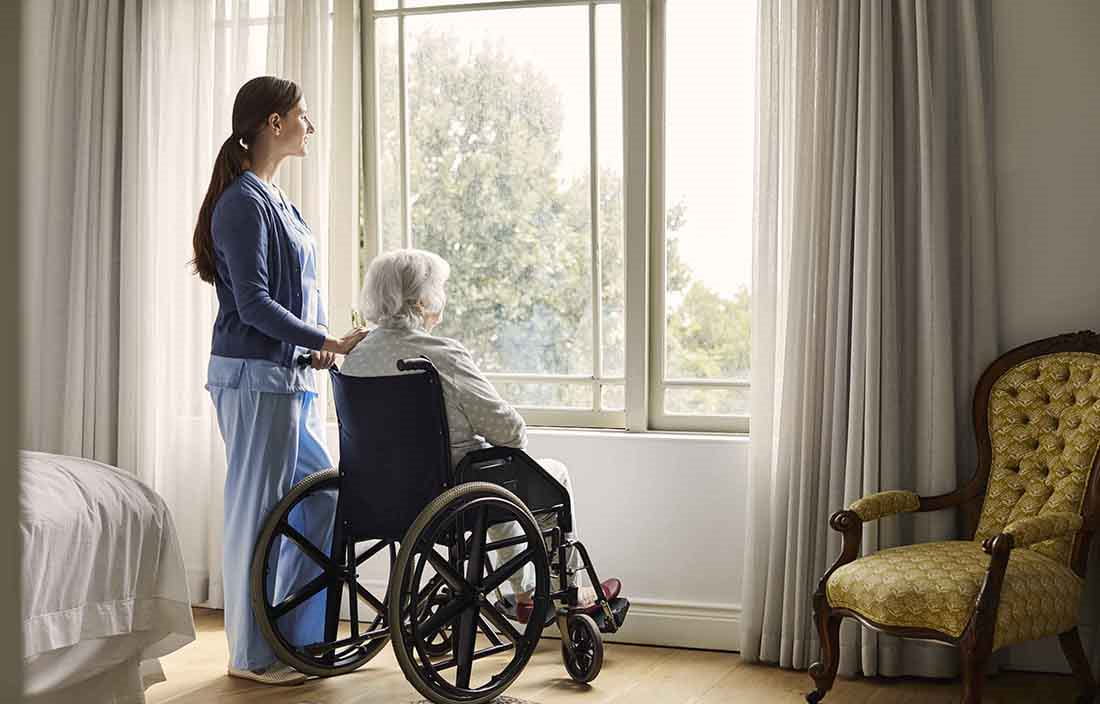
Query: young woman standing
pixel 253 246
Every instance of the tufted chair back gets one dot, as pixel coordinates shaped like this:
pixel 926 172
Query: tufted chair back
pixel 1044 430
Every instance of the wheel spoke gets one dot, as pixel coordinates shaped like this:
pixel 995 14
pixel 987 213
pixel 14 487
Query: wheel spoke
pixel 430 589
pixel 502 623
pixel 506 570
pixel 371 599
pixel 488 630
pixel 467 623
pixel 311 550
pixel 295 600
pixel 445 615
pixel 371 552
pixel 475 563
pixel 443 569
pixel 467 635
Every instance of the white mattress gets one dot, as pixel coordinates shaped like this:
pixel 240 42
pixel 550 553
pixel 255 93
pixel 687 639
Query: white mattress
pixel 104 585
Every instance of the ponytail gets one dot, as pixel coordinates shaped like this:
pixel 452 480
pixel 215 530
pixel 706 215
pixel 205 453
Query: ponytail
pixel 231 162
pixel 255 102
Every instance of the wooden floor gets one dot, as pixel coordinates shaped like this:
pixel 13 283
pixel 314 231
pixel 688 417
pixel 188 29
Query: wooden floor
pixel 631 675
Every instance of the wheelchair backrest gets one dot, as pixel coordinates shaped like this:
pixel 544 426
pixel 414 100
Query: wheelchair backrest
pixel 394 448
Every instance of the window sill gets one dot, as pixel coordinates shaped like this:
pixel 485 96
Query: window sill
pixel 674 435
pixel 617 435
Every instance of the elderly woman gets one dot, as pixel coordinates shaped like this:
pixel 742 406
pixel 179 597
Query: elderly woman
pixel 403 292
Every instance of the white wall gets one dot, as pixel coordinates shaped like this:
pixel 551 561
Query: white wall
pixel 1046 100
pixel 664 513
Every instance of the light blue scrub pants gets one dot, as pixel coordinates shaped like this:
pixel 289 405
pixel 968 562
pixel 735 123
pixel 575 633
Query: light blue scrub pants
pixel 272 441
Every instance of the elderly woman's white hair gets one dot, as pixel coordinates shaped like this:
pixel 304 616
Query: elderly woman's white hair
pixel 402 285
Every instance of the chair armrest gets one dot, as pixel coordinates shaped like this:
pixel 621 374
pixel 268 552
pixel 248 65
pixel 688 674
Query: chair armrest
pixel 1036 529
pixel 885 503
pixel 489 454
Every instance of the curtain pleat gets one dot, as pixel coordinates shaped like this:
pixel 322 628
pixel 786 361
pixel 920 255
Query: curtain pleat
pixel 138 101
pixel 873 233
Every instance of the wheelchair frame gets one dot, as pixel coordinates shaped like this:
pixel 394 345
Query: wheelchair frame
pixel 496 485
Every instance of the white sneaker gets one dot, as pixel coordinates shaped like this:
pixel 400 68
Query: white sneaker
pixel 277 674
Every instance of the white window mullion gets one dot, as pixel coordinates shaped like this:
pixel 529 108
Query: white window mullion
pixel 594 217
pixel 403 128
pixel 657 216
pixel 370 110
pixel 344 187
pixel 635 39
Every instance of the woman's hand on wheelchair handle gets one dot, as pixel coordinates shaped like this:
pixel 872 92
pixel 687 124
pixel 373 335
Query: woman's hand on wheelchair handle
pixel 322 359
pixel 344 344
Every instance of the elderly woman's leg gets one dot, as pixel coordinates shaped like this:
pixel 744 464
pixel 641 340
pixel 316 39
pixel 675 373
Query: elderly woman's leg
pixel 523 581
pixel 560 473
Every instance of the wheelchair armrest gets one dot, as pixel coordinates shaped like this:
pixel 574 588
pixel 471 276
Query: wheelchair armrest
pixel 491 456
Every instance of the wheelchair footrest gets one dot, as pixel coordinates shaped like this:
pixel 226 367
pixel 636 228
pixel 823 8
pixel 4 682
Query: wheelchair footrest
pixel 619 607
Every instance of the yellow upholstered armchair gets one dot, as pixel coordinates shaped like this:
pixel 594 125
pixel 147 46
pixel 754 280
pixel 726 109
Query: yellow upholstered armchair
pixel 1031 509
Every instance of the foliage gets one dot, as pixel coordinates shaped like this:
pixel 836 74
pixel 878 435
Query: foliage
pixel 486 193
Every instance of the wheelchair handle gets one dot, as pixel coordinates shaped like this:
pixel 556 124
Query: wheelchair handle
pixel 304 360
pixel 422 363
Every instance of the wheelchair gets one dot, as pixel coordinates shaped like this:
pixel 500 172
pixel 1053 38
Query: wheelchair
pixel 402 511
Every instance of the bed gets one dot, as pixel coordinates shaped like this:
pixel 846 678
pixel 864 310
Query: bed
pixel 104 587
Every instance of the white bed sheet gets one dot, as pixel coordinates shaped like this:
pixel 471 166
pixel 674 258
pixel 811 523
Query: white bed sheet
pixel 104 584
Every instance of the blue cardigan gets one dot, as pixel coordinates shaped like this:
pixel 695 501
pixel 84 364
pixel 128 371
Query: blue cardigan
pixel 258 279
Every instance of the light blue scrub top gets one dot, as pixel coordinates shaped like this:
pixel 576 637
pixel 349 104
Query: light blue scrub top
pixel 261 374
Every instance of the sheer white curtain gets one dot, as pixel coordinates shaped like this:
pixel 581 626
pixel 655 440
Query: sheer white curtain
pixel 78 88
pixel 873 295
pixel 195 55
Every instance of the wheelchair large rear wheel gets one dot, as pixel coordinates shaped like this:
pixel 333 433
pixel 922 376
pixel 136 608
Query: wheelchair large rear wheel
pixel 432 593
pixel 329 572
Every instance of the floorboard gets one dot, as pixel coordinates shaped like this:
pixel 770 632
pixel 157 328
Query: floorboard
pixel 631 674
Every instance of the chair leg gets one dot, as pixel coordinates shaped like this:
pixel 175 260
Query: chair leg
pixel 828 630
pixel 975 660
pixel 1079 663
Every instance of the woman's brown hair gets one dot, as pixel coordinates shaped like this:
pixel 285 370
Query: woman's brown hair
pixel 255 102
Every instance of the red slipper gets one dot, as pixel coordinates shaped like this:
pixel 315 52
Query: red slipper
pixel 611 588
pixel 524 609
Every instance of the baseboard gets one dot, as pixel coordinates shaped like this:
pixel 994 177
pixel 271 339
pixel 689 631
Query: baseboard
pixel 661 622
pixel 681 625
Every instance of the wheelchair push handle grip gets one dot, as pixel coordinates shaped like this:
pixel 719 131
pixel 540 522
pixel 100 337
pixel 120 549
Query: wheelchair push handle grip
pixel 422 363
pixel 304 360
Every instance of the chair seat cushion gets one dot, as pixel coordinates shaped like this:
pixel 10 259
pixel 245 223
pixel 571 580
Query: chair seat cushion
pixel 934 585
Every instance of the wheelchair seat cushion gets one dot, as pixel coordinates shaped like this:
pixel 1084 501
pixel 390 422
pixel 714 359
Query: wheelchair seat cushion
pixel 934 586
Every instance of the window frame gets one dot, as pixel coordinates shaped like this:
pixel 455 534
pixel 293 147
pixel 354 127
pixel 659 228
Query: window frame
pixel 659 419
pixel 643 47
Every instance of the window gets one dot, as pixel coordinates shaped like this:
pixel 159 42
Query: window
pixel 703 107
pixel 496 139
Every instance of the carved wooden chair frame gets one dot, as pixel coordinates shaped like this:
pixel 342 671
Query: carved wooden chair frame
pixel 976 642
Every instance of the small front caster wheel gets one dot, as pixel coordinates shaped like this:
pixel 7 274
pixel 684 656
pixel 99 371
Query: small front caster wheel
pixel 587 642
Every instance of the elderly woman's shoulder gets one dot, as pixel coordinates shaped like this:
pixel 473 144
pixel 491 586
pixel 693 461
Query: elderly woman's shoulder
pixel 448 345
